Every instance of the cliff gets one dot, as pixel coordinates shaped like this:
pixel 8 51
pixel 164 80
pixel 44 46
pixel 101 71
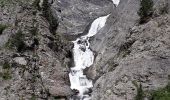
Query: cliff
pixel 132 52
pixel 129 54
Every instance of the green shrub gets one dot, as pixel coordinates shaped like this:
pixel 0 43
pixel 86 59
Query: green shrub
pixel 4 2
pixel 6 71
pixel 2 28
pixel 36 4
pixel 161 94
pixel 6 65
pixel 33 97
pixel 17 41
pixel 140 93
pixel 34 31
pixel 145 11
pixel 6 75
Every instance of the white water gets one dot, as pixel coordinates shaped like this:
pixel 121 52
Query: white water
pixel 116 2
pixel 83 57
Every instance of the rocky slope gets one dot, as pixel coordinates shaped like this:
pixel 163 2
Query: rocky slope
pixel 33 61
pixel 129 54
pixel 35 54
pixel 76 16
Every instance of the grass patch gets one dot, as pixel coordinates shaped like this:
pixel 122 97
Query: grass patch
pixel 161 94
pixel 2 28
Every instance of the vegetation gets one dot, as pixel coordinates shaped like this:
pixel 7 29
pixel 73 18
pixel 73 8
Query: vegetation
pixel 145 11
pixel 6 74
pixel 6 65
pixel 4 2
pixel 161 94
pixel 2 28
pixel 140 93
pixel 47 13
pixel 33 97
pixel 36 4
pixel 34 31
pixel 17 42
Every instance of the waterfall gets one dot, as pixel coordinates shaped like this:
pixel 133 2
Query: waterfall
pixel 116 2
pixel 84 57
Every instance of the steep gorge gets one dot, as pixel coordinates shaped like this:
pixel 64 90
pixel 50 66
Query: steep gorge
pixel 36 54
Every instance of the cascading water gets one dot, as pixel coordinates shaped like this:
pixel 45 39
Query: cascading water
pixel 83 57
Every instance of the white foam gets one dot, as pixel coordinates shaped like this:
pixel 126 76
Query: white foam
pixel 84 57
pixel 116 2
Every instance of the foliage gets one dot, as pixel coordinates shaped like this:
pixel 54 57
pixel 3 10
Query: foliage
pixel 4 2
pixel 17 41
pixel 34 31
pixel 161 94
pixel 47 13
pixel 2 28
pixel 6 74
pixel 6 65
pixel 140 93
pixel 145 11
pixel 33 97
pixel 36 4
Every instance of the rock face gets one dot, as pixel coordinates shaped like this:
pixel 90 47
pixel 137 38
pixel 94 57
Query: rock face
pixel 75 16
pixel 34 63
pixel 35 56
pixel 128 53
